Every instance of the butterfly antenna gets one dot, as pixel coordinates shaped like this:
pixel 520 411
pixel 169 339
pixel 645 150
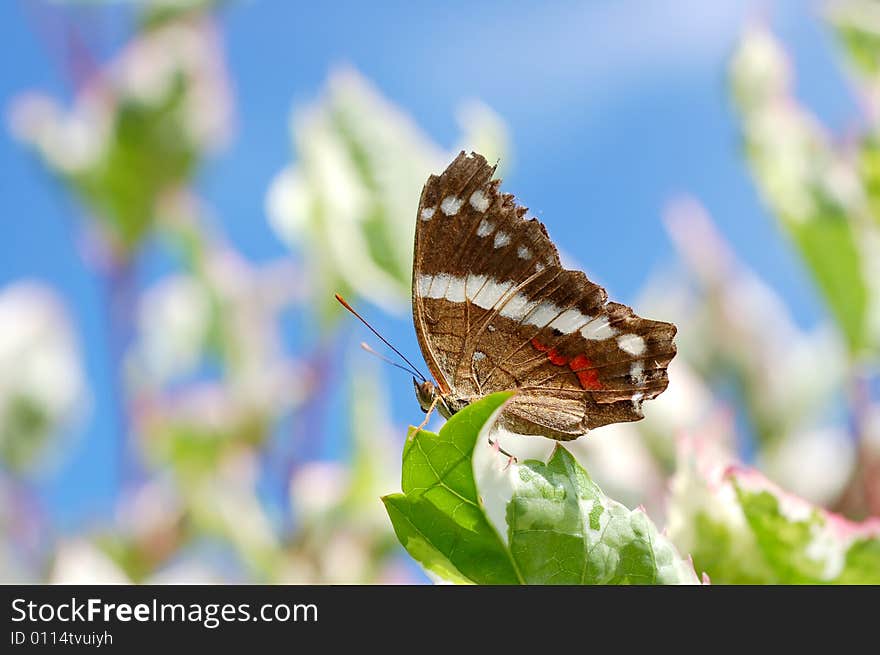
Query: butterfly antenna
pixel 388 360
pixel 383 339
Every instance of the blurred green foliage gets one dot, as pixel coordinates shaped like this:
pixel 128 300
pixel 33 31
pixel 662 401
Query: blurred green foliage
pixel 811 185
pixel 348 204
pixel 146 155
pixel 742 529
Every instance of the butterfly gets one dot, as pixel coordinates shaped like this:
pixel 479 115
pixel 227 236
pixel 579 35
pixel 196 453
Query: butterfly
pixel 495 310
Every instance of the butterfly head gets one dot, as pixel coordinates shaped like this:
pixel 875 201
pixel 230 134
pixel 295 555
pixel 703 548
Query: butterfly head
pixel 430 396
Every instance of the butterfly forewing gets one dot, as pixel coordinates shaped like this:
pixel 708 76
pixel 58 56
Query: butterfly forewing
pixel 494 309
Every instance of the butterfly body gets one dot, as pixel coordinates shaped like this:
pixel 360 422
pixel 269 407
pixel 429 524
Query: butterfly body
pixel 430 397
pixel 494 309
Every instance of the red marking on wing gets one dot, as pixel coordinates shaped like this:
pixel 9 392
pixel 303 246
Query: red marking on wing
pixel 580 365
pixel 552 355
pixel 587 375
pixel 537 345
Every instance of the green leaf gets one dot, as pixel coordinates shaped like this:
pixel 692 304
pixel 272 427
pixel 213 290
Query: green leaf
pixel 439 517
pixel 561 528
pixel 804 544
pixel 742 529
pixel 564 530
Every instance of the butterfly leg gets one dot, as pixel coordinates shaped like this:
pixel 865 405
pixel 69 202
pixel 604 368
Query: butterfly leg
pixel 428 414
pixel 496 446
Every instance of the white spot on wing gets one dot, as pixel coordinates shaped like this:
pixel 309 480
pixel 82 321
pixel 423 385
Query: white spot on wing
pixel 524 253
pixel 539 266
pixel 455 290
pixel 451 205
pixel 479 356
pixel 631 343
pixel 598 329
pixel 479 201
pixel 543 314
pixel 501 239
pixel 437 288
pixel 491 293
pixel 473 284
pixel 568 321
pixel 487 293
pixel 424 284
pixel 428 213
pixel 637 372
pixel 637 401
pixel 485 228
pixel 517 307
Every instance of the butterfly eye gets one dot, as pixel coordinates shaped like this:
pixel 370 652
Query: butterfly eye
pixel 426 393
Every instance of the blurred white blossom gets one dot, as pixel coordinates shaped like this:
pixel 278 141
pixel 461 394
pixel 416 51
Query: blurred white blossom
pixel 248 302
pixel 343 535
pixel 186 572
pixel 150 512
pixel 348 202
pixel 188 48
pixel 145 72
pixel 745 529
pixel 78 561
pixel 794 149
pixel 814 464
pixel 225 504
pixel 346 557
pixel 41 378
pixel 70 142
pixel 858 25
pixel 138 126
pixel 733 325
pixel 174 320
pixel 229 309
pixel 318 487
pixel 704 518
pixel 814 184
pixel 760 67
pixel 191 429
pixel 631 461
pixel 620 461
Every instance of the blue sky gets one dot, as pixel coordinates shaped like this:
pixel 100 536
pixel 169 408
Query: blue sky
pixel 614 108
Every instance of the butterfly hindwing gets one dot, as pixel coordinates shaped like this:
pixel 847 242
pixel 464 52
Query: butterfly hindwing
pixel 494 309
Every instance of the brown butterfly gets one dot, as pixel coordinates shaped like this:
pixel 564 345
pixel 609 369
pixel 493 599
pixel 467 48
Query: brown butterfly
pixel 494 310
